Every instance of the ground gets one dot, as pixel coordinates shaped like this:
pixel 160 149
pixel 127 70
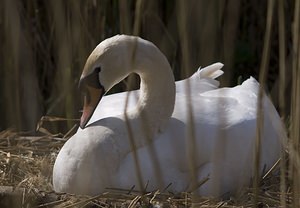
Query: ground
pixel 26 172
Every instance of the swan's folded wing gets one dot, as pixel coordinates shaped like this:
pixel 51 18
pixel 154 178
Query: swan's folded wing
pixel 222 107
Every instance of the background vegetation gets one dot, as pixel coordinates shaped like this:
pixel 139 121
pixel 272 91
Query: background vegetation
pixel 45 45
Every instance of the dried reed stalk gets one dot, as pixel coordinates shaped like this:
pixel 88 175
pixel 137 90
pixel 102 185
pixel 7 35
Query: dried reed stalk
pixel 260 113
pixel 186 65
pixel 295 109
pixel 282 107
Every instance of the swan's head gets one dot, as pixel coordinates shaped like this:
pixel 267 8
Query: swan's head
pixel 107 65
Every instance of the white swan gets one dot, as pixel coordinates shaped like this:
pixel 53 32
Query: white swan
pixel 100 156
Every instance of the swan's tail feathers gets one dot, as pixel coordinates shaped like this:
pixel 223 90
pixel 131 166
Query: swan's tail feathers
pixel 212 71
pixel 252 84
pixel 275 120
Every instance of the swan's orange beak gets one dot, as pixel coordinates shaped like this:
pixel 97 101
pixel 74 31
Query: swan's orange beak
pixel 91 99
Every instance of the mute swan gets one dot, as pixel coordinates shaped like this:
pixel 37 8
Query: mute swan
pixel 100 156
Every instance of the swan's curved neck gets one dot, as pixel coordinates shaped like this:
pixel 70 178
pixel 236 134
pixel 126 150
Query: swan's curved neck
pixel 157 88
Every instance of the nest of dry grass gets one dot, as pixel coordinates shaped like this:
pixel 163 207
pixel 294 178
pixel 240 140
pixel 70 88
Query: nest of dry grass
pixel 26 172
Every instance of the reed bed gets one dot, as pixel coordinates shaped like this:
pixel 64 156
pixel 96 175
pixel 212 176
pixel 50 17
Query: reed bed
pixel 45 45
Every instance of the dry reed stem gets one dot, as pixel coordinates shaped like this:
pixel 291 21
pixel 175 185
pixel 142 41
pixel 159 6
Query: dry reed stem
pixel 260 113
pixel 282 84
pixel 295 111
pixel 190 127
pixel 131 133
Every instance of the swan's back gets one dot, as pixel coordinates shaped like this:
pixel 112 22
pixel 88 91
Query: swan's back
pixel 225 125
pixel 225 119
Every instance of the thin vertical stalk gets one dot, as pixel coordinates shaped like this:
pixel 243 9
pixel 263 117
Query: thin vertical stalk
pixel 133 148
pixel 12 26
pixel 138 17
pixel 145 127
pixel 130 132
pixel 282 71
pixel 229 35
pixel 61 14
pixel 125 26
pixel 295 110
pixel 148 135
pixel 190 133
pixel 260 115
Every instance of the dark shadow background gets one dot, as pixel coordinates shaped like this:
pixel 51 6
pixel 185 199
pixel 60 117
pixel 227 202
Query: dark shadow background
pixel 45 45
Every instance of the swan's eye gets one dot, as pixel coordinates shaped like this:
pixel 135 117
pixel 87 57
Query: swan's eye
pixel 97 69
pixel 91 80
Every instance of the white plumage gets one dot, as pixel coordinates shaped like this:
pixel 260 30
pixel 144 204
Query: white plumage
pixel 100 156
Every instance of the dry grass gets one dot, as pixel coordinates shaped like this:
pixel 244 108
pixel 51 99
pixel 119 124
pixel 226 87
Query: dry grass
pixel 26 172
